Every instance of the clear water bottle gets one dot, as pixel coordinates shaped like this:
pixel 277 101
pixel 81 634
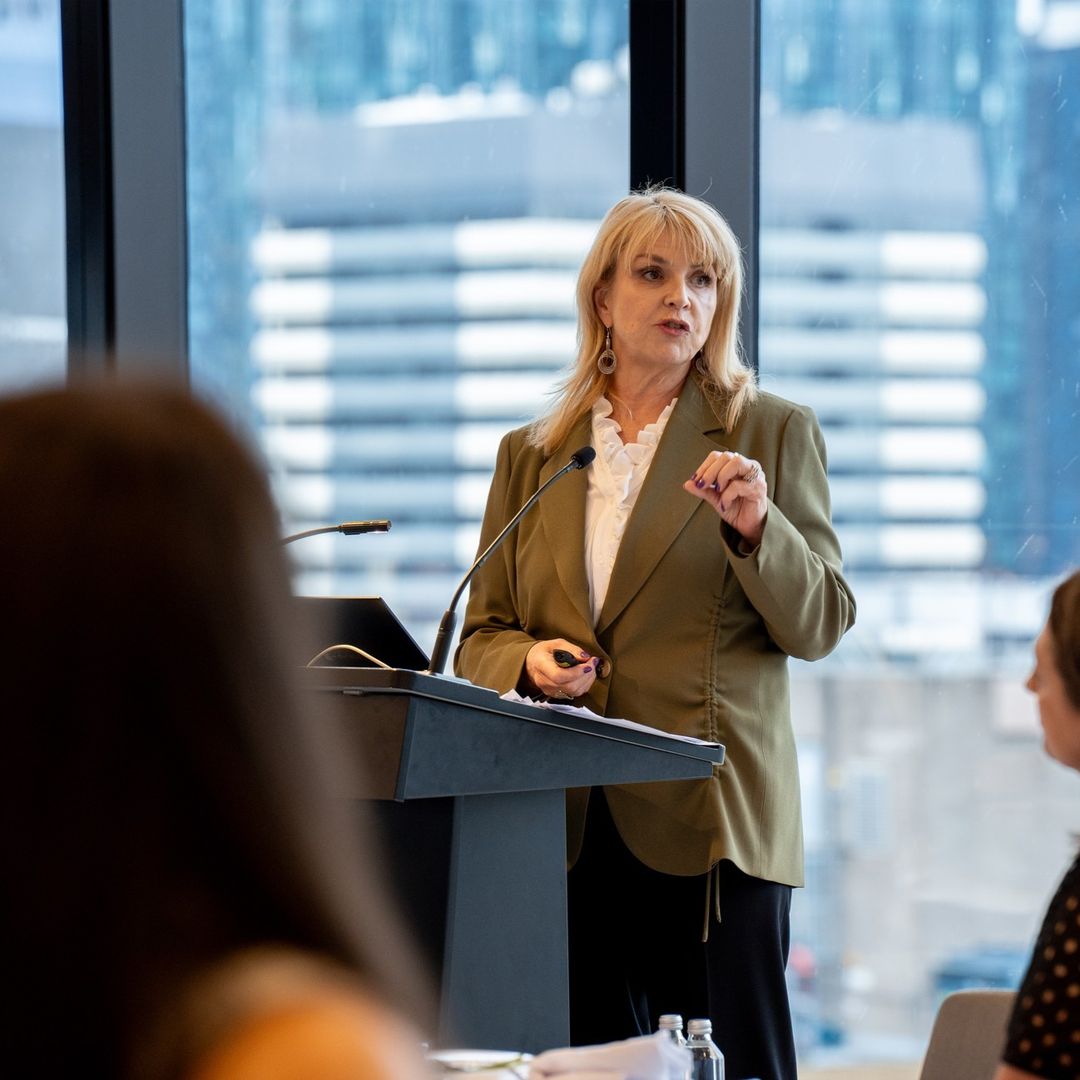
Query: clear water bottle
pixel 671 1023
pixel 708 1062
pixel 670 1026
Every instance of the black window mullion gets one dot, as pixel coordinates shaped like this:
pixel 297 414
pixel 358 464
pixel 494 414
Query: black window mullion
pixel 721 116
pixel 694 88
pixel 91 304
pixel 125 184
pixel 657 116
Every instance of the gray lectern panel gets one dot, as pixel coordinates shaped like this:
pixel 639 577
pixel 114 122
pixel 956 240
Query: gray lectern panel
pixel 494 752
pixel 504 969
pixel 469 794
pixel 442 737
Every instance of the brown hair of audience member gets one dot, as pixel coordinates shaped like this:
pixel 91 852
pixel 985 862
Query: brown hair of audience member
pixel 167 791
pixel 1064 623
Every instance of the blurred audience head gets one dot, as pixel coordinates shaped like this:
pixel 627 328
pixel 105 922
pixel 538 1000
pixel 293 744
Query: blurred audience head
pixel 1055 679
pixel 174 794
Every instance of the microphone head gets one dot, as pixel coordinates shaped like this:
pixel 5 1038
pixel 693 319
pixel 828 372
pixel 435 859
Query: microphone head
pixel 354 528
pixel 582 457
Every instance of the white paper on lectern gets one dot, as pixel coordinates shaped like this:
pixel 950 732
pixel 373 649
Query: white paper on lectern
pixel 576 710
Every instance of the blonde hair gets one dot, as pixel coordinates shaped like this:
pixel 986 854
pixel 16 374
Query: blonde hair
pixel 630 228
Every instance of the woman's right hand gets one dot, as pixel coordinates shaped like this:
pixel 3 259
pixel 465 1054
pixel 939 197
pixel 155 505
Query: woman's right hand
pixel 559 682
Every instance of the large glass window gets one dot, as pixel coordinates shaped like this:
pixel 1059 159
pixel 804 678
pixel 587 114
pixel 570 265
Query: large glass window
pixel 388 202
pixel 920 210
pixel 33 325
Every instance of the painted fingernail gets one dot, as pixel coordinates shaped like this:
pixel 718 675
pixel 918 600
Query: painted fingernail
pixel 587 670
pixel 699 483
pixel 584 655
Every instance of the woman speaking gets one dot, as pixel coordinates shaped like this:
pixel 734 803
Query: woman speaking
pixel 681 570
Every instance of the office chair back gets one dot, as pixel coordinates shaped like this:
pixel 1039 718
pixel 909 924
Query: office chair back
pixel 968 1035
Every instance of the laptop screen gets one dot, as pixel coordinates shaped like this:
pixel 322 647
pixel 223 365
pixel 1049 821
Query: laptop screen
pixel 365 622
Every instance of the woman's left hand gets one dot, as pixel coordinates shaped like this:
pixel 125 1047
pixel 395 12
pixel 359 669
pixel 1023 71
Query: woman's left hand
pixel 734 486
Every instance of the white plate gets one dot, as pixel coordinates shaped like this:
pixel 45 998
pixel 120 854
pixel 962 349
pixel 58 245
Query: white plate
pixel 477 1061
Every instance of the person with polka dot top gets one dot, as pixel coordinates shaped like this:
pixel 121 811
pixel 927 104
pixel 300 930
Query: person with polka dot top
pixel 1044 1030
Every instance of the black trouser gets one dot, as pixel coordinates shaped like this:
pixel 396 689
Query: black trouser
pixel 636 952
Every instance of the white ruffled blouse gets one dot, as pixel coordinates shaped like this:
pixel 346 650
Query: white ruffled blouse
pixel 614 482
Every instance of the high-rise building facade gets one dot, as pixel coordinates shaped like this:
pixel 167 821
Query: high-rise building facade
pixel 1001 70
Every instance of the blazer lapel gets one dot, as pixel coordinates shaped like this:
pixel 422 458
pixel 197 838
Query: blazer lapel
pixel 663 508
pixel 562 513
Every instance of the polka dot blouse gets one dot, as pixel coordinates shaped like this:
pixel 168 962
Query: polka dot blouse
pixel 1044 1031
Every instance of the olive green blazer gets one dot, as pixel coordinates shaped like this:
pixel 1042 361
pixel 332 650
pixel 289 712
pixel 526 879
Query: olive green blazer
pixel 696 635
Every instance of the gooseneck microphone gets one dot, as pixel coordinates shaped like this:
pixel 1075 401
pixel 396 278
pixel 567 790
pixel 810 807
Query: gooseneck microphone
pixel 349 528
pixel 443 637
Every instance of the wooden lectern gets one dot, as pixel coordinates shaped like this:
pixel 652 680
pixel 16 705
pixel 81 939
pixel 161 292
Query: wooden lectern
pixel 469 795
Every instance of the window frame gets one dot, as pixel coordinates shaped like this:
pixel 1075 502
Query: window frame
pixel 124 139
pixel 125 161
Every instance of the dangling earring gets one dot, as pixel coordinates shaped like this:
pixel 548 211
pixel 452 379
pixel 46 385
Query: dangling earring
pixel 606 361
pixel 699 364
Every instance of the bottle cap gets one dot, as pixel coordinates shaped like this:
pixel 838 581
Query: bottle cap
pixel 670 1021
pixel 699 1027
